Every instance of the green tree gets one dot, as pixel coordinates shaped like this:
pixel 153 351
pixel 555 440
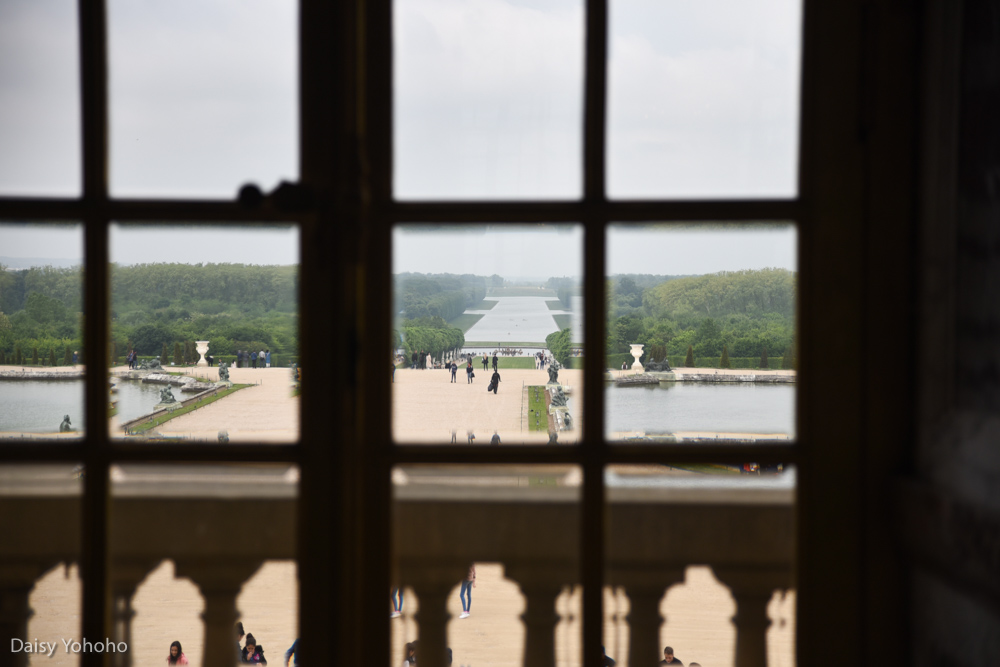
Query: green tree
pixel 724 361
pixel 17 354
pixel 34 356
pixel 164 355
pixel 52 356
pixel 68 357
pixel 178 357
pixel 559 345
pixel 689 359
pixel 763 359
pixel 3 358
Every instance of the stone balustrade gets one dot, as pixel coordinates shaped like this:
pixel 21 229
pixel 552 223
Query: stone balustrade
pixel 654 533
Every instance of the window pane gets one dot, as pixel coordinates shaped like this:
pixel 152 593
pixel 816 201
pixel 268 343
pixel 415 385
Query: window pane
pixel 40 98
pixel 190 541
pixel 488 99
pixel 41 331
pixel 41 587
pixel 473 304
pixel 513 532
pixel 701 332
pixel 704 548
pixel 703 98
pixel 205 350
pixel 203 96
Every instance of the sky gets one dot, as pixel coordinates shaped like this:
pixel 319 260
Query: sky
pixel 702 98
pixel 557 250
pixel 134 245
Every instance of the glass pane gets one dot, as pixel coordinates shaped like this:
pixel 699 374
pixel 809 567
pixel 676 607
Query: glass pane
pixel 173 536
pixel 701 335
pixel 202 350
pixel 41 331
pixel 703 98
pixel 488 99
pixel 702 547
pixel 40 98
pixel 41 587
pixel 202 96
pixel 487 331
pixel 484 545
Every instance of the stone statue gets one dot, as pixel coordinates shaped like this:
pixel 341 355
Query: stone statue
pixel 558 396
pixel 659 366
pixel 167 396
pixel 223 371
pixel 567 422
pixel 554 372
pixel 150 364
pixel 65 426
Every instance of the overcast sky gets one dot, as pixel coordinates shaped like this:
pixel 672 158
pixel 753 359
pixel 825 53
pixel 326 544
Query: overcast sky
pixel 702 97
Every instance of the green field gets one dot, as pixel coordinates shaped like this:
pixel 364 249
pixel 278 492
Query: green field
pixel 563 321
pixel 521 291
pixel 142 428
pixel 494 345
pixel 465 321
pixel 485 304
pixel 513 362
pixel 536 408
pixel 555 305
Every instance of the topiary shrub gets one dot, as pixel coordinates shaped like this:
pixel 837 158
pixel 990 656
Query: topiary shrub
pixel 164 356
pixel 724 361
pixel 689 359
pixel 52 357
pixel 763 359
pixel 788 361
pixel 68 357
pixel 178 357
pixel 34 356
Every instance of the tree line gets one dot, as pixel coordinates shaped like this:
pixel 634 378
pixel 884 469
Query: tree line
pixel 154 307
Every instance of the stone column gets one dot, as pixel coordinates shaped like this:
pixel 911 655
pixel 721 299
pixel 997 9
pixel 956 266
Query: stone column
pixel 752 588
pixel 433 583
pixel 645 592
pixel 125 578
pixel 17 579
pixel 541 585
pixel 219 583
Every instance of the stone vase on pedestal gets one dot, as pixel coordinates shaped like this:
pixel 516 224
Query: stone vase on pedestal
pixel 637 352
pixel 201 347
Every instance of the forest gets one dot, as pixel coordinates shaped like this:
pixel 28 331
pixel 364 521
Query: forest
pixel 155 308
pixel 748 312
pixel 425 303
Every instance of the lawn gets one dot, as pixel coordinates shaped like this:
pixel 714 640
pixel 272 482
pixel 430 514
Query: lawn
pixel 485 304
pixel 563 321
pixel 465 321
pixel 161 419
pixel 538 418
pixel 556 305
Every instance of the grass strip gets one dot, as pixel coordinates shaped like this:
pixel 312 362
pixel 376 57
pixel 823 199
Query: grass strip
pixel 556 305
pixel 494 345
pixel 485 304
pixel 161 419
pixel 538 417
pixel 465 321
pixel 563 321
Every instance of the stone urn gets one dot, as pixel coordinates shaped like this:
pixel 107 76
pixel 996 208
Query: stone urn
pixel 201 347
pixel 637 352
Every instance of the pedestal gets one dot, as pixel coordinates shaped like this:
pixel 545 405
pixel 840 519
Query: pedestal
pixel 201 347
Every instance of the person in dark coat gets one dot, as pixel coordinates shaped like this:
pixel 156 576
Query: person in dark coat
pixel 494 383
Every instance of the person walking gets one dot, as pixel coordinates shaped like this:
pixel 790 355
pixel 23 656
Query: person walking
pixel 494 383
pixel 469 373
pixel 466 593
pixel 253 359
pixel 486 362
pixel 396 595
pixel 454 371
pixel 267 357
pixel 294 650
pixel 495 360
pixel 495 440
